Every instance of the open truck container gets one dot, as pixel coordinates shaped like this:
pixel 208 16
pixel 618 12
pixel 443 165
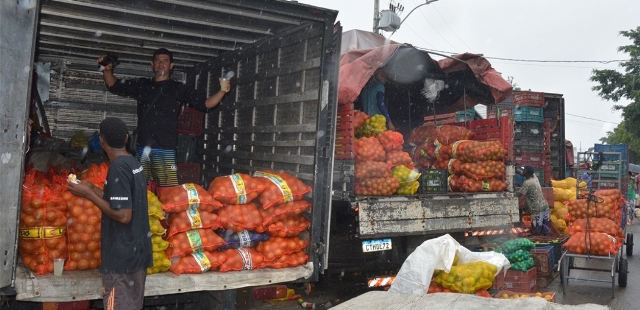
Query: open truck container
pixel 278 115
pixel 281 114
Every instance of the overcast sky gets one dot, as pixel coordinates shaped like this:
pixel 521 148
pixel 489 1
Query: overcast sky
pixel 525 30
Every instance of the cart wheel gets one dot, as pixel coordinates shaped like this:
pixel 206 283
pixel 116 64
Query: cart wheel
pixel 622 273
pixel 629 244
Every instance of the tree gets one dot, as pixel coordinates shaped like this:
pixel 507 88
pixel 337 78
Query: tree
pixel 615 85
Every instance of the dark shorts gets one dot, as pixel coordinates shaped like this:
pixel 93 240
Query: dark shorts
pixel 123 291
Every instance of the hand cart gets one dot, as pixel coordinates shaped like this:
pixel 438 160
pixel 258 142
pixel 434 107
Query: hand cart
pixel 618 263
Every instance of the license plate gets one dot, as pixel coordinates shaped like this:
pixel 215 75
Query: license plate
pixel 376 245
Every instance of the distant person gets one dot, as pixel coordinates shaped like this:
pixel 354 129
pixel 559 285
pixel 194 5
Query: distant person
pixel 536 205
pixel 126 236
pixel 631 199
pixel 372 97
pixel 586 175
pixel 160 100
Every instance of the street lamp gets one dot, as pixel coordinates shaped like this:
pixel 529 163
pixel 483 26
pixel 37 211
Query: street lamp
pixel 390 21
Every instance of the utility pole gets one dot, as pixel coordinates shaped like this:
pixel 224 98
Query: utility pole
pixel 376 16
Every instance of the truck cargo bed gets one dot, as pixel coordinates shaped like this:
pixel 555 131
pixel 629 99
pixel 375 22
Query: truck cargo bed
pixel 87 285
pixel 415 215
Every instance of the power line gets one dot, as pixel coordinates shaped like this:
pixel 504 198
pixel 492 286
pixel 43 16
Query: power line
pixel 445 22
pixel 589 118
pixel 530 60
pixel 436 30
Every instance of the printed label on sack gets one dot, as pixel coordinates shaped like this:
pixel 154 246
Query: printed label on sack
pixel 450 165
pixel 194 216
pixel 245 238
pixel 246 258
pixel 194 240
pixel 42 232
pixel 485 186
pixel 454 148
pixel 287 195
pixel 202 260
pixel 192 194
pixel 238 186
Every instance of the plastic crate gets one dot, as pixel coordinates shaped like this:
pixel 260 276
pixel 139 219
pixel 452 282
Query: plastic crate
pixel 528 145
pixel 186 150
pixel 544 260
pixel 345 133
pixel 521 281
pixel 549 296
pixel 528 114
pixel 433 181
pixel 465 115
pixel 497 111
pixel 440 119
pixel 556 242
pixel 612 148
pixel 190 122
pixel 528 98
pixel 189 173
pixel 534 159
pixel 527 130
pixel 498 282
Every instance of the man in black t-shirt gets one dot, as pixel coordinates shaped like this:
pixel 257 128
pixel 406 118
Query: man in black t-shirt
pixel 126 237
pixel 160 100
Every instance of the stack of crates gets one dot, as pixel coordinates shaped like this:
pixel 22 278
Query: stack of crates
pixel 190 124
pixel 529 135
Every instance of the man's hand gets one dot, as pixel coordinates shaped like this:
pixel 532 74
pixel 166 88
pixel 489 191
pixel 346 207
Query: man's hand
pixel 391 126
pixel 108 68
pixel 225 85
pixel 81 189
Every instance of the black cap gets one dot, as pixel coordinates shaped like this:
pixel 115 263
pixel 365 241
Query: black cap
pixel 528 170
pixel 163 51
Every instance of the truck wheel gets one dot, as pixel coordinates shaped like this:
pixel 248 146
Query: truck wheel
pixel 629 244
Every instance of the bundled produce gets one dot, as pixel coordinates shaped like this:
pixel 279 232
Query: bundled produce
pixel 359 118
pixel 467 278
pixel 594 243
pixel 408 180
pixel 477 170
pixel 199 262
pixel 190 219
pixel 372 126
pixel 289 227
pixel 278 246
pixel 472 151
pixel 377 186
pixel 243 239
pixel 371 169
pixel 193 241
pixel 84 225
pixel 240 217
pixel 369 149
pixel 287 260
pixel 241 259
pixel 610 207
pixel 158 244
pixel 397 158
pixel 517 252
pixel 282 211
pixel 281 188
pixel 564 190
pixel 465 184
pixel 391 140
pixel 160 263
pixel 236 189
pixel 448 134
pixel 420 155
pixel 596 224
pixel 420 135
pixel 180 198
pixel 42 229
pixel 155 206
